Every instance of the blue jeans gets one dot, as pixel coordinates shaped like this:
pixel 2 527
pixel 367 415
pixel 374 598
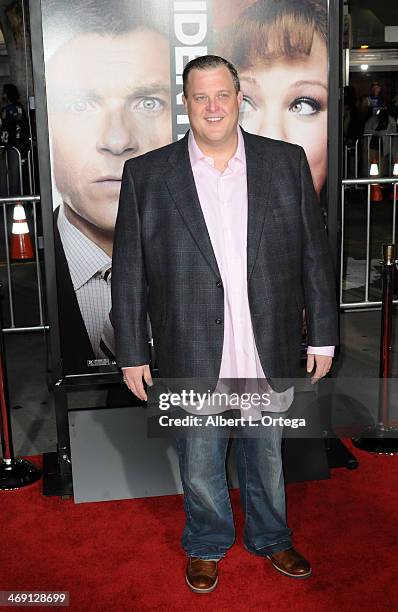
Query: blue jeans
pixel 209 529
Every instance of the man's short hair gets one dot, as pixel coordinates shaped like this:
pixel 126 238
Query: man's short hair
pixel 11 91
pixel 63 21
pixel 207 62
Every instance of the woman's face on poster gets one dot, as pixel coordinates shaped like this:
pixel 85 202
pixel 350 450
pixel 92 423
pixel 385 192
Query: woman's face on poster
pixel 286 99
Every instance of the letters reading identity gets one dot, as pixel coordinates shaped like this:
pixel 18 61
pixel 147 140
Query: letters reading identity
pixel 190 28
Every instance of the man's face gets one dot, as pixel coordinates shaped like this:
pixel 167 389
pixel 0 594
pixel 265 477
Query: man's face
pixel 375 89
pixel 109 100
pixel 212 105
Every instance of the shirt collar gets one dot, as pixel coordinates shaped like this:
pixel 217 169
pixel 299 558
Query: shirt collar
pixel 85 259
pixel 196 155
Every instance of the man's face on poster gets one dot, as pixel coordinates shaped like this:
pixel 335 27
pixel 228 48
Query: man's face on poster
pixel 109 100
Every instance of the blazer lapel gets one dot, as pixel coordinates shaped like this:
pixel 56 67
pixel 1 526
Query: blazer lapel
pixel 181 185
pixel 259 170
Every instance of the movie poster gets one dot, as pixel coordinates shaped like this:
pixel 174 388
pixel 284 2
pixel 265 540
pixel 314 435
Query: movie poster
pixel 113 71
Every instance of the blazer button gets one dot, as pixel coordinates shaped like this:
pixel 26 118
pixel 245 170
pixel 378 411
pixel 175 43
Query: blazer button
pixel 219 284
pixel 218 321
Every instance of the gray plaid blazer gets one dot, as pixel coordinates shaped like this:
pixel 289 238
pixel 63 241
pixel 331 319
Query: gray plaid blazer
pixel 164 264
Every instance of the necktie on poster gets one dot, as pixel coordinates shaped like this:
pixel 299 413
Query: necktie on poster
pixel 107 341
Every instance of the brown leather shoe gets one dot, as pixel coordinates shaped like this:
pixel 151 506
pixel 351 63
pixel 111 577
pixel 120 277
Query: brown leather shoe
pixel 201 576
pixel 290 563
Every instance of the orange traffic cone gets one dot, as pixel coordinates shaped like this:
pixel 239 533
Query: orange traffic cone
pixel 376 194
pixel 21 244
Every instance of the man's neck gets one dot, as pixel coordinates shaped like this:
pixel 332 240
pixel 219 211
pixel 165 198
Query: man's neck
pixel 102 238
pixel 221 152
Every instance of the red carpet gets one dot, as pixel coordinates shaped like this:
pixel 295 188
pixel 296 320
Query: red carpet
pixel 125 555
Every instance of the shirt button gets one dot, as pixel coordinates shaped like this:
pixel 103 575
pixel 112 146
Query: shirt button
pixel 219 284
pixel 218 321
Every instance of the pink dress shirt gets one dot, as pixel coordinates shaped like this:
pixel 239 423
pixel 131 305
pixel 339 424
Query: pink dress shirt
pixel 223 199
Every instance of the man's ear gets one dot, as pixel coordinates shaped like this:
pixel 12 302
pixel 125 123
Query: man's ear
pixel 240 98
pixel 184 101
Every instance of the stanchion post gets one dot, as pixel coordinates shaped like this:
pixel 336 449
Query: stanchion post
pixel 14 473
pixel 386 331
pixel 6 433
pixel 382 438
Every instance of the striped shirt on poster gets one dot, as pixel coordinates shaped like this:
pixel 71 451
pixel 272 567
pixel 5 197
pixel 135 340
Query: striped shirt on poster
pixel 89 269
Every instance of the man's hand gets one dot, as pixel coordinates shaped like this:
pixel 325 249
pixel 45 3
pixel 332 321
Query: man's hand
pixel 322 363
pixel 133 378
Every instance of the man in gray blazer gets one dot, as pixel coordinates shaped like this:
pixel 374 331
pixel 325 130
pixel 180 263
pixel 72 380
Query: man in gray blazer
pixel 220 240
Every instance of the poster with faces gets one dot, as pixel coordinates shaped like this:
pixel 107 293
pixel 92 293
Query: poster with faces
pixel 113 71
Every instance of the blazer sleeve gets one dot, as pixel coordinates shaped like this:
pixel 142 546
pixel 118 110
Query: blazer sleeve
pixel 318 275
pixel 129 286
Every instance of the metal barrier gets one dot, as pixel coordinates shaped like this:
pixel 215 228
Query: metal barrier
pixel 12 172
pixel 366 303
pixel 11 201
pixel 31 174
pixel 365 140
